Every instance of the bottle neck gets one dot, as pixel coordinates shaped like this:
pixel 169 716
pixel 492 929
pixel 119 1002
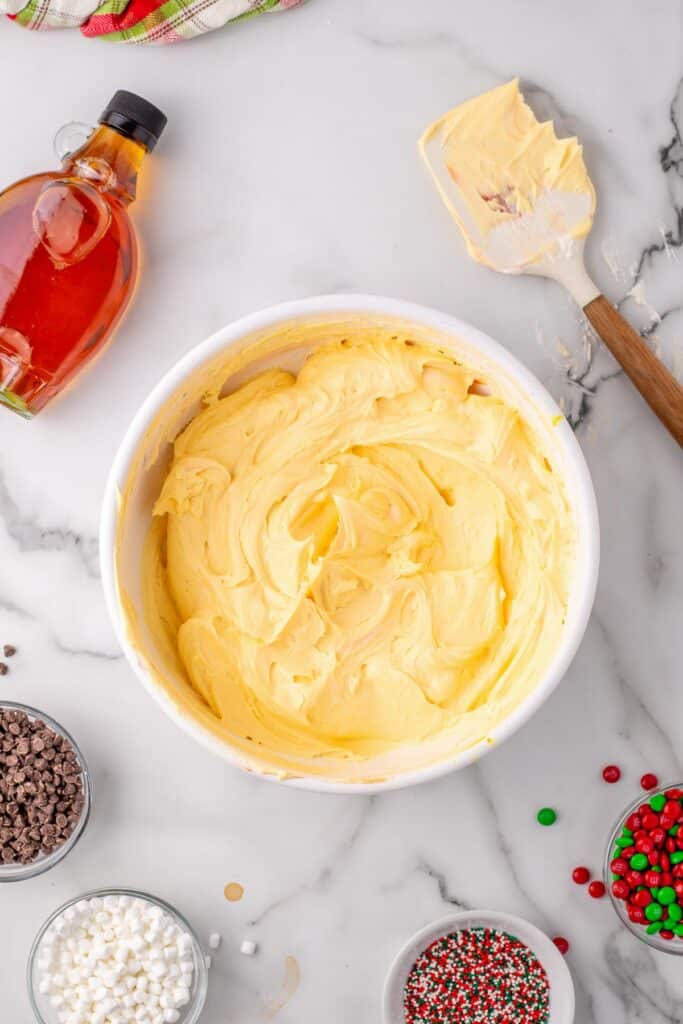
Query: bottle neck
pixel 110 161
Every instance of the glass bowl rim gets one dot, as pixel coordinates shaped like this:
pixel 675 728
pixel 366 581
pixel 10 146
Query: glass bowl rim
pixel 670 946
pixel 201 975
pixel 16 872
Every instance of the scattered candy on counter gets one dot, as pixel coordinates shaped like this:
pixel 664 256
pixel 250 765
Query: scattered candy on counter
pixel 546 816
pixel 41 788
pixel 248 947
pixel 116 958
pixel 561 944
pixel 611 773
pixel 477 975
pixel 647 863
pixel 597 890
pixel 649 781
pixel 581 875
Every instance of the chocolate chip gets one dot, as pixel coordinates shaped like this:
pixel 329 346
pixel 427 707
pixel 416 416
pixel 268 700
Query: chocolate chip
pixel 9 650
pixel 4 669
pixel 41 787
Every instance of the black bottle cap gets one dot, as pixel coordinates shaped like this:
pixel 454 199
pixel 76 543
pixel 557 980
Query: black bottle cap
pixel 135 117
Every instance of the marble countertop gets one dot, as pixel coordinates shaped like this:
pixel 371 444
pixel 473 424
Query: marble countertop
pixel 289 168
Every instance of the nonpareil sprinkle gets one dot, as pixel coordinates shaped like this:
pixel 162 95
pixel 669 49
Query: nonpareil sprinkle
pixel 477 976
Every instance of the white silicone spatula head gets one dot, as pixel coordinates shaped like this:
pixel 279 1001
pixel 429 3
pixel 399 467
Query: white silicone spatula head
pixel 521 197
pixel 524 203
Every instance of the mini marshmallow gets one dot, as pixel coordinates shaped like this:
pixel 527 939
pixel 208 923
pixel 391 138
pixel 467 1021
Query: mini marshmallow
pixel 119 960
pixel 248 947
pixel 214 940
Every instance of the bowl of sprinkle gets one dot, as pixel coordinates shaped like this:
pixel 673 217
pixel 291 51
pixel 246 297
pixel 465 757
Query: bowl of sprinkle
pixel 481 966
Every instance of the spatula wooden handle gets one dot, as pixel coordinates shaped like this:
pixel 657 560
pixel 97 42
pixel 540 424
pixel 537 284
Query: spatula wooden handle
pixel 659 388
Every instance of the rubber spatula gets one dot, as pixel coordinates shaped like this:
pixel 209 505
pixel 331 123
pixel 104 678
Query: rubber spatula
pixel 524 203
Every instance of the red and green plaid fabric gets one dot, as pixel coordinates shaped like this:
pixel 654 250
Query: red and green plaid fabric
pixel 137 21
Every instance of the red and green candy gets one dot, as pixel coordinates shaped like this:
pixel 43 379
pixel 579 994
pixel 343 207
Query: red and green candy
pixel 647 865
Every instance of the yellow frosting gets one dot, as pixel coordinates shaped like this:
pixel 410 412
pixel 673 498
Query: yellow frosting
pixel 357 559
pixel 502 161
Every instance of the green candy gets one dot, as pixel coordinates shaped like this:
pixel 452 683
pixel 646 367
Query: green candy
pixel 675 913
pixel 653 928
pixel 546 816
pixel 679 929
pixel 653 912
pixel 676 857
pixel 657 802
pixel 673 831
pixel 669 924
pixel 623 842
pixel 639 861
pixel 654 892
pixel 666 895
pixel 626 831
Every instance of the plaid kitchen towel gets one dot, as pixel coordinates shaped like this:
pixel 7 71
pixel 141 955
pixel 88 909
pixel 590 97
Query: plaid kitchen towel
pixel 137 21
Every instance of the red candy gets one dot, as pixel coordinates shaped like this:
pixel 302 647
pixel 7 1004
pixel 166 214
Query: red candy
pixel 672 809
pixel 637 915
pixel 649 781
pixel 658 835
pixel 596 890
pixel 634 878
pixel 666 934
pixel 642 898
pixel 611 773
pixel 678 889
pixel 634 822
pixel 561 944
pixel 620 889
pixel 652 878
pixel 650 821
pixel 619 866
pixel 581 874
pixel 644 845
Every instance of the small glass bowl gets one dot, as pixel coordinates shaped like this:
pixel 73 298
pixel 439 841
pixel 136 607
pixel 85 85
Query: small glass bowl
pixel 43 1010
pixel 18 872
pixel 675 945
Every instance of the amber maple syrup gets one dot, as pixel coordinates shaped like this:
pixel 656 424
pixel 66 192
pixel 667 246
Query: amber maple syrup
pixel 68 256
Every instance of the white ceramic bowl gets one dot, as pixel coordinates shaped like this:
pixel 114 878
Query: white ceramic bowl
pixel 561 985
pixel 178 394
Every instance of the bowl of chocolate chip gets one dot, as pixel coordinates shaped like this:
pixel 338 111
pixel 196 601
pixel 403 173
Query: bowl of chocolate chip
pixel 45 792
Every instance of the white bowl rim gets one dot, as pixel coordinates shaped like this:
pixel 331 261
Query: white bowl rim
pixel 546 950
pixel 397 309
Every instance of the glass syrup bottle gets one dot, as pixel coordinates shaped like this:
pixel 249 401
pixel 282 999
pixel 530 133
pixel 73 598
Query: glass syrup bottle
pixel 68 254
